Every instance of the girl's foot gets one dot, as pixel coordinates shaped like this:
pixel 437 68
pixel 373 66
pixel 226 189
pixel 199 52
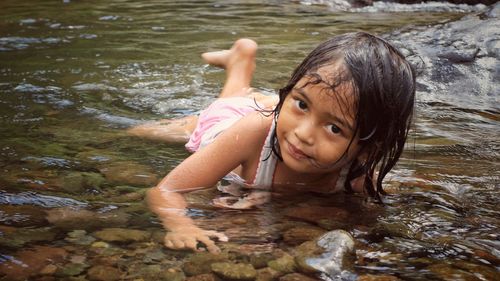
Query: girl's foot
pixel 241 54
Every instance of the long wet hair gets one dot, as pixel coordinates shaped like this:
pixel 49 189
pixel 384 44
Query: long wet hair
pixel 383 85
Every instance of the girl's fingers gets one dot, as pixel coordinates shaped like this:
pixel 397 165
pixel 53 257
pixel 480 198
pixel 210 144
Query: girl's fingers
pixel 169 244
pixel 221 236
pixel 190 243
pixel 178 244
pixel 212 248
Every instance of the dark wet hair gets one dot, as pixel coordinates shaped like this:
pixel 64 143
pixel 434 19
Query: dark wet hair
pixel 383 85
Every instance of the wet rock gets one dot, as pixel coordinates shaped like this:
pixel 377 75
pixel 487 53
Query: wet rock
pixel 297 277
pixel 79 182
pixel 100 244
pixel 338 248
pixel 267 274
pixel 17 237
pixel 200 263
pixel 298 235
pixel 49 269
pixel 234 271
pixel 67 218
pixel 79 237
pixel 260 260
pixel 71 269
pixel 104 273
pixel 174 274
pixel 130 174
pixel 203 277
pixel 154 256
pixel 122 235
pixel 284 264
pixel 457 63
pixel 26 263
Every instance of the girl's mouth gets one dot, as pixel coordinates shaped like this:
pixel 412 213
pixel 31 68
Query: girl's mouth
pixel 296 153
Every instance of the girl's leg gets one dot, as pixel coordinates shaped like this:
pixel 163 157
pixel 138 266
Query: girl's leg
pixel 239 63
pixel 167 130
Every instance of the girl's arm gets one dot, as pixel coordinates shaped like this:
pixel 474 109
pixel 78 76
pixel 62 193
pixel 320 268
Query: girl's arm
pixel 237 145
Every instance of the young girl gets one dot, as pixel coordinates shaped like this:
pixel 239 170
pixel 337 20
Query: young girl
pixel 339 124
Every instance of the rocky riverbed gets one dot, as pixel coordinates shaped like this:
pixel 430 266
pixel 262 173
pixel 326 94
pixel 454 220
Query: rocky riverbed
pixel 103 231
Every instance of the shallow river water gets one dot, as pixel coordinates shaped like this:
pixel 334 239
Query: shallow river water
pixel 75 74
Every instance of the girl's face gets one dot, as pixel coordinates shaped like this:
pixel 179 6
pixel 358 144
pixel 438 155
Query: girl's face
pixel 315 127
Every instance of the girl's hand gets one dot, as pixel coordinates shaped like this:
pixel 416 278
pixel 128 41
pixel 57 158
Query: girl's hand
pixel 188 238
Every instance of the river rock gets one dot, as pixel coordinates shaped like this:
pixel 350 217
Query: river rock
pixel 17 237
pixel 122 235
pixel 234 271
pixel 338 248
pixel 104 273
pixel 129 173
pixel 284 264
pixel 298 235
pixel 67 218
pixel 71 269
pixel 173 274
pixel 26 263
pixel 449 273
pixel 200 263
pixel 267 274
pixel 79 182
pixel 203 277
pixel 456 63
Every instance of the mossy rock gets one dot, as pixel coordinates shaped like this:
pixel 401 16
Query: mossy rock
pixel 234 271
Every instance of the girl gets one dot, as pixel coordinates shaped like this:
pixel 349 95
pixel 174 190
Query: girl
pixel 342 119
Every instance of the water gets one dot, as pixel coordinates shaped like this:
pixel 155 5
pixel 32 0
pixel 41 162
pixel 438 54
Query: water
pixel 75 74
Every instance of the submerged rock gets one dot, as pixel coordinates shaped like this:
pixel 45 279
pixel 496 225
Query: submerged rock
pixel 26 263
pixel 104 273
pixel 234 271
pixel 70 218
pixel 200 263
pixel 122 235
pixel 332 264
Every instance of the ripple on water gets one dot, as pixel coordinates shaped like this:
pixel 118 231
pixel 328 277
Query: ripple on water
pixel 34 198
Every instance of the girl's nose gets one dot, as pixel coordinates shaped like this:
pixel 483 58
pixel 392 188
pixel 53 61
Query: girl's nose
pixel 305 132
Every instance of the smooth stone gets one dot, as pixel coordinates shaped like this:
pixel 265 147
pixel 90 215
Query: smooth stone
pixel 298 235
pixel 79 237
pixel 284 264
pixel 17 237
pixel 129 173
pixel 71 269
pixel 49 269
pixel 338 248
pixel 104 273
pixel 69 219
pixel 79 182
pixel 122 235
pixel 267 274
pixel 200 263
pixel 260 260
pixel 100 244
pixel 203 277
pixel 234 271
pixel 173 274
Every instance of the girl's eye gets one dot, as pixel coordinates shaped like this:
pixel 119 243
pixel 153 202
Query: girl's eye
pixel 334 129
pixel 301 104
